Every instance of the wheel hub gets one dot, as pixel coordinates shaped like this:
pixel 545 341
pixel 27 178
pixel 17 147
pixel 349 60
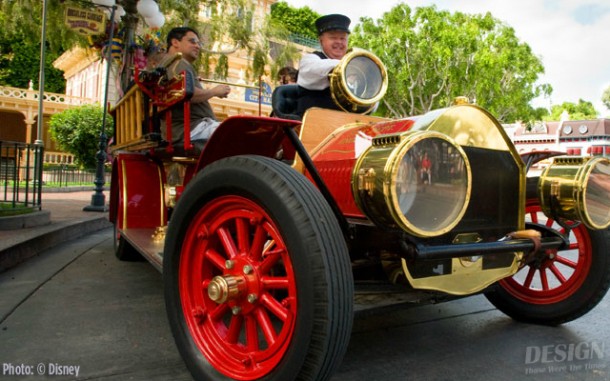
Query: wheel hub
pixel 225 288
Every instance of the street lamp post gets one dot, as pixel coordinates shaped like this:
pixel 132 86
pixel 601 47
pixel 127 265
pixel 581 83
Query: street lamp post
pixel 98 199
pixel 149 9
pixel 39 143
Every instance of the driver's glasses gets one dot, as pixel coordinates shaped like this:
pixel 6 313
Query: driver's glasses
pixel 194 41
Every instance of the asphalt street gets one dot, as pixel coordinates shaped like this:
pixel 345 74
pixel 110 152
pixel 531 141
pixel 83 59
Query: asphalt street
pixel 76 313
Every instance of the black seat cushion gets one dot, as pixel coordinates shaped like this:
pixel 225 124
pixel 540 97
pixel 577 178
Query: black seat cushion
pixel 284 101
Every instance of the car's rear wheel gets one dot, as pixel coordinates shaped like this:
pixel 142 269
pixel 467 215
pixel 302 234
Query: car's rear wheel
pixel 257 276
pixel 563 285
pixel 123 250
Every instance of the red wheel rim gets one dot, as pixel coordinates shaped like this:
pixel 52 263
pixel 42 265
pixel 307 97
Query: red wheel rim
pixel 560 274
pixel 233 241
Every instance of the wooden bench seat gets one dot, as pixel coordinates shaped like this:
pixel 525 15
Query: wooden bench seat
pixel 139 114
pixel 129 116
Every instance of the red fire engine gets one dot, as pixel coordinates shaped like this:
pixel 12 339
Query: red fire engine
pixel 279 230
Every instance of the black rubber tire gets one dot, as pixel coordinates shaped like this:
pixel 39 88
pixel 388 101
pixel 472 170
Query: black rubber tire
pixel 123 249
pixel 594 286
pixel 316 248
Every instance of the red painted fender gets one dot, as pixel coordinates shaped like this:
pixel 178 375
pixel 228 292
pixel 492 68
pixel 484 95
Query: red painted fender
pixel 136 192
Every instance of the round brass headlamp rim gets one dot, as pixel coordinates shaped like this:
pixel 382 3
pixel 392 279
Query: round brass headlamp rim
pixel 566 181
pixel 355 53
pixel 409 139
pixel 338 85
pixel 583 178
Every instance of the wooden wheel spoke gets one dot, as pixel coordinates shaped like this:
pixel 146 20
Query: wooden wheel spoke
pixel 544 280
pixel 270 261
pixel 216 259
pixel 557 274
pixel 265 325
pixel 228 242
pixel 275 283
pixel 566 261
pixel 275 307
pixel 251 334
pixel 235 329
pixel 242 228
pixel 258 243
pixel 218 312
pixel 530 276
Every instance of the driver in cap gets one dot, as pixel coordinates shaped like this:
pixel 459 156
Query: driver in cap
pixel 314 86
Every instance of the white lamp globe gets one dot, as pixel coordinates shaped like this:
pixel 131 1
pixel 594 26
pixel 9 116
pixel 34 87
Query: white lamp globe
pixel 147 8
pixel 118 13
pixel 105 3
pixel 156 21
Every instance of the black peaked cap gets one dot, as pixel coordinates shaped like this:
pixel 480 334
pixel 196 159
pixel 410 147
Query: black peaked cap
pixel 333 22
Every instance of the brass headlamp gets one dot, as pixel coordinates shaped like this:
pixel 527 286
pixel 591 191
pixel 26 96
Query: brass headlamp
pixel 416 181
pixel 577 188
pixel 359 82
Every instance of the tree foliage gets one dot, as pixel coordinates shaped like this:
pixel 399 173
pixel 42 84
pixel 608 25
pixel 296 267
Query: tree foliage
pixel 434 56
pixel 232 26
pixel 576 111
pixel 20 48
pixel 77 131
pixel 299 21
pixel 606 97
pixel 20 62
pixel 228 28
pixel 23 19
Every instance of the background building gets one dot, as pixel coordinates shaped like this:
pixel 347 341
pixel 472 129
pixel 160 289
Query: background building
pixel 574 137
pixel 85 74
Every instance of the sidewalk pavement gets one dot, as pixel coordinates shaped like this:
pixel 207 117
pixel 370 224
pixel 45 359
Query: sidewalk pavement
pixel 61 219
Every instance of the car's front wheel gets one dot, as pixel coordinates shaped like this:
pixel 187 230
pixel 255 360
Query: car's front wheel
pixel 257 277
pixel 564 284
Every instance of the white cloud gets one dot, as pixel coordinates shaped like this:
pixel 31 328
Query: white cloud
pixel 570 37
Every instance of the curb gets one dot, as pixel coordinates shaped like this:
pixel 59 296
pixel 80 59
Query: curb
pixel 67 231
pixel 28 220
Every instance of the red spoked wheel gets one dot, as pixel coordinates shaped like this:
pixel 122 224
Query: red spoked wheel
pixel 241 303
pixel 559 274
pixel 560 285
pixel 257 276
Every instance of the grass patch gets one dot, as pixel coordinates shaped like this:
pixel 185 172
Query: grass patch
pixel 49 184
pixel 7 209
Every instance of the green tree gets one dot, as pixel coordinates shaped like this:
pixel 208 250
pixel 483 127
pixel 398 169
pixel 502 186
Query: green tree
pixel 293 25
pixel 606 97
pixel 20 51
pixel 540 113
pixel 77 131
pixel 576 111
pixel 23 19
pixel 230 26
pixel 434 56
pixel 298 21
pixel 20 62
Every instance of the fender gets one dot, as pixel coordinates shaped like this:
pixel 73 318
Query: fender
pixel 240 135
pixel 535 156
pixel 136 193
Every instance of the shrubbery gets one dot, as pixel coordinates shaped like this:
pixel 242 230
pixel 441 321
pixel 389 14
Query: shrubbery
pixel 77 131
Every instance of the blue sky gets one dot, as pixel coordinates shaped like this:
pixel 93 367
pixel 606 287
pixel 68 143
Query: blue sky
pixel 572 37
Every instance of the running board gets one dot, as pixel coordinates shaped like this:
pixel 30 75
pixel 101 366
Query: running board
pixel 142 240
pixel 374 297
